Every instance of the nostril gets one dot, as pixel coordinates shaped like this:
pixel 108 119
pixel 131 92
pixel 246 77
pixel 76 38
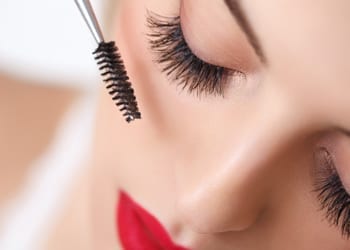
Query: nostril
pixel 195 216
pixel 209 215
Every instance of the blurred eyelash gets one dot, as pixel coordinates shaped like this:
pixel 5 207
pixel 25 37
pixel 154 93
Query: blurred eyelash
pixel 178 61
pixel 332 194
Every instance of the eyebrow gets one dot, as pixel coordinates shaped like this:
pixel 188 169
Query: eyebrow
pixel 237 11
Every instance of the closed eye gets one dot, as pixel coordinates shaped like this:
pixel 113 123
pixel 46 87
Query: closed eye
pixel 181 64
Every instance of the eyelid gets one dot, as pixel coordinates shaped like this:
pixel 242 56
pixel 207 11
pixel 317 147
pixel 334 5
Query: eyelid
pixel 218 39
pixel 339 145
pixel 239 14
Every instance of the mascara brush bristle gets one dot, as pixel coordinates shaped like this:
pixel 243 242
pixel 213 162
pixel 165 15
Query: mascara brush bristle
pixel 117 80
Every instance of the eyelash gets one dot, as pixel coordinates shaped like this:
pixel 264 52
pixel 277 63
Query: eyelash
pixel 332 195
pixel 179 62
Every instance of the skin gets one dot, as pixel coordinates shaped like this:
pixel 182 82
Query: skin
pixel 234 172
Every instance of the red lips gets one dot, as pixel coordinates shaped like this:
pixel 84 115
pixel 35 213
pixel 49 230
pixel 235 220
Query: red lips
pixel 139 230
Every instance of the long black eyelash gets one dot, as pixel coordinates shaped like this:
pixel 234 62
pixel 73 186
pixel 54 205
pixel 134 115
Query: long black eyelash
pixel 332 194
pixel 167 40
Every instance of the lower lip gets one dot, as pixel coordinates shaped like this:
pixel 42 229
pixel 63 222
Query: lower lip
pixel 138 229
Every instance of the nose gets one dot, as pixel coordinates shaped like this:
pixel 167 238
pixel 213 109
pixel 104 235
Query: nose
pixel 234 193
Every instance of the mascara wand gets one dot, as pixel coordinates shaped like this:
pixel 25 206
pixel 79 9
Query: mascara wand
pixel 111 65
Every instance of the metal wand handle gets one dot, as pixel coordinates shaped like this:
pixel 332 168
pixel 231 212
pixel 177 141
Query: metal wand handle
pixel 89 16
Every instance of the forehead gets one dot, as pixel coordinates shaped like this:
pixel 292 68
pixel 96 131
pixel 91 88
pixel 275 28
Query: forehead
pixel 307 45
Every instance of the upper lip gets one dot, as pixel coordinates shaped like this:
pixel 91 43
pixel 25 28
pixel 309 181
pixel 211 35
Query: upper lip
pixel 138 229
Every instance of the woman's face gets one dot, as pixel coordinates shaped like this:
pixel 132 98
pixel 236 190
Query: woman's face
pixel 243 143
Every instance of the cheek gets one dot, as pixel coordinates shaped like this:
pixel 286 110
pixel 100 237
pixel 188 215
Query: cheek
pixel 166 109
pixel 201 131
